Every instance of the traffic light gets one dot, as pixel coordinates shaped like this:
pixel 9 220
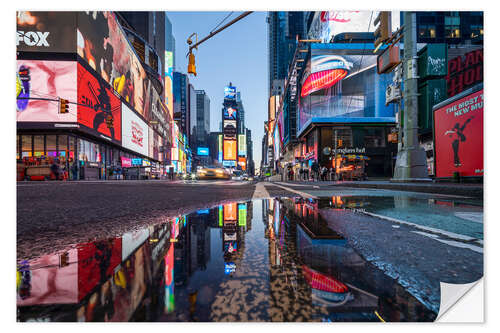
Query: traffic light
pixel 191 65
pixel 383 32
pixel 63 105
pixel 109 121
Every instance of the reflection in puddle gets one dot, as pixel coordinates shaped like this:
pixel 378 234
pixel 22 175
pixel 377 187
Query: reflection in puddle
pixel 266 260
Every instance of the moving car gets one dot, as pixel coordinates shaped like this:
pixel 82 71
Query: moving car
pixel 237 175
pixel 213 172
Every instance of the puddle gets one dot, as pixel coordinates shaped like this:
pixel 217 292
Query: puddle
pixel 260 260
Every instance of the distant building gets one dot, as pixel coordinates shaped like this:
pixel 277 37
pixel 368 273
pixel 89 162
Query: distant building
pixel 169 39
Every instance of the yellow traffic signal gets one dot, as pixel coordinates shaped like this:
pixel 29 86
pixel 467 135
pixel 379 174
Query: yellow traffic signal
pixel 383 32
pixel 191 65
pixel 63 105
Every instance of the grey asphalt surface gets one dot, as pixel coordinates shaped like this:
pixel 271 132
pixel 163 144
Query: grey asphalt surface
pixel 53 215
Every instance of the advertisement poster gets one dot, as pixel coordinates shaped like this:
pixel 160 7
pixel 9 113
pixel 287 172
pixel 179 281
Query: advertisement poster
pixel 229 129
pixel 96 263
pixel 45 79
pixel 46 31
pixel 242 162
pixel 230 92
pixel 169 68
pixel 98 106
pixel 242 145
pixel 230 150
pixel 126 162
pixel 102 43
pixel 135 132
pixel 458 137
pixel 230 113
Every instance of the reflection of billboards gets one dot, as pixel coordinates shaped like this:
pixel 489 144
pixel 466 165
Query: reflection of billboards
pixel 202 151
pixel 230 113
pixel 98 105
pixel 135 132
pixel 229 129
pixel 229 149
pixel 242 214
pixel 229 267
pixel 49 79
pixel 46 31
pixel 230 236
pixel 132 240
pixel 458 136
pixel 230 212
pixel 230 247
pixel 102 43
pixel 229 92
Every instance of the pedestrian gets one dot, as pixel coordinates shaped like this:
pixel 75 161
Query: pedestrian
pixel 55 169
pixel 315 170
pixel 332 174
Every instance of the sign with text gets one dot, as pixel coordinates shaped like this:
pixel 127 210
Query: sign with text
pixel 135 132
pixel 458 137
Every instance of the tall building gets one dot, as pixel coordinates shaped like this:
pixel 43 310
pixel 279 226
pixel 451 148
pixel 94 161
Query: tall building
pixel 202 124
pixel 250 162
pixel 283 28
pixel 241 113
pixel 181 108
pixel 169 39
pixel 192 111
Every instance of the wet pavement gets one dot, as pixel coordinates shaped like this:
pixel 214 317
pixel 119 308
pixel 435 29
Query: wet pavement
pixel 280 259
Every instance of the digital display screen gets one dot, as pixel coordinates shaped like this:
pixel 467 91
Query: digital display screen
pixel 229 149
pixel 230 113
pixel 230 92
pixel 135 131
pixel 230 129
pixel 202 151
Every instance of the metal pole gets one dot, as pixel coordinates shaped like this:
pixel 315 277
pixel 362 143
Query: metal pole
pixel 411 162
pixel 219 30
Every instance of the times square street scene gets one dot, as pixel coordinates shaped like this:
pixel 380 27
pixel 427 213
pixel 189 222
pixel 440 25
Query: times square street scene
pixel 330 169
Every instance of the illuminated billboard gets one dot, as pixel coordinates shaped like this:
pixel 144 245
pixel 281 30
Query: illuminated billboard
pixel 102 43
pixel 230 129
pixel 242 145
pixel 325 71
pixel 458 136
pixel 135 132
pixel 175 154
pixel 229 163
pixel 99 109
pixel 242 162
pixel 219 139
pixel 230 113
pixel 169 68
pixel 229 92
pixel 229 149
pixel 202 151
pixel 46 31
pixel 46 79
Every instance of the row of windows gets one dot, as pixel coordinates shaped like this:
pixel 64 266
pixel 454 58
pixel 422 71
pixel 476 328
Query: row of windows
pixel 450 31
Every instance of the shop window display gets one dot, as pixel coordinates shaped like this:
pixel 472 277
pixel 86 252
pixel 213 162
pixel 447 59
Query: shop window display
pixel 51 145
pixel 39 146
pixel 26 146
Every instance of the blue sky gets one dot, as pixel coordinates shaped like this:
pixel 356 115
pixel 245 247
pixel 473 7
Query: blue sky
pixel 237 54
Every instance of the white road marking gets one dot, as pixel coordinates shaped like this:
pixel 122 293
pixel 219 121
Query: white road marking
pixel 476 217
pixel 462 245
pixel 260 192
pixel 302 194
pixel 421 227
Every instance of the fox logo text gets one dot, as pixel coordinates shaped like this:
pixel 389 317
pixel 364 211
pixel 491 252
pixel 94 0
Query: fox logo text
pixel 33 38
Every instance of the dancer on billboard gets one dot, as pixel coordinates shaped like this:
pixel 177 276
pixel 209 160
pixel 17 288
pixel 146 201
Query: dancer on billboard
pixel 104 113
pixel 459 137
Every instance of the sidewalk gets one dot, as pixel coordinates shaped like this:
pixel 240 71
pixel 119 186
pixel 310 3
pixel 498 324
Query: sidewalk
pixel 463 189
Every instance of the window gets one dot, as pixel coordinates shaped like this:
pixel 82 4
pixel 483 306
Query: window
pixel 71 149
pixel 39 147
pixel 18 154
pixel 62 144
pixel 427 31
pixel 51 145
pixel 476 31
pixel 26 141
pixel 452 31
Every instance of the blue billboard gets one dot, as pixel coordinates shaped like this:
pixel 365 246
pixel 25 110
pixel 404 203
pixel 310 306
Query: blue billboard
pixel 202 151
pixel 230 113
pixel 229 163
pixel 230 92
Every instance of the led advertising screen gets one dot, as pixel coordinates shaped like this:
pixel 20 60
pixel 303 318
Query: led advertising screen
pixel 230 150
pixel 229 163
pixel 242 162
pixel 219 139
pixel 242 145
pixel 458 137
pixel 102 43
pixel 98 106
pixel 135 132
pixel 230 113
pixel 169 68
pixel 46 31
pixel 229 129
pixel 230 92
pixel 45 79
pixel 202 151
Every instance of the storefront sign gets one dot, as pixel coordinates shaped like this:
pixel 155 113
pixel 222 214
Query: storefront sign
pixel 136 162
pixel 458 137
pixel 464 72
pixel 126 162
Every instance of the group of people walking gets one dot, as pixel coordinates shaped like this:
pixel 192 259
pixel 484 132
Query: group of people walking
pixel 315 173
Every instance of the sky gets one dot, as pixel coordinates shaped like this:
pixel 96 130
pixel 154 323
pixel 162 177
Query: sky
pixel 237 54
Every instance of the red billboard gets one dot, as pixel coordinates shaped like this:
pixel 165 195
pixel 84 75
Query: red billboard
pixel 98 107
pixel 458 137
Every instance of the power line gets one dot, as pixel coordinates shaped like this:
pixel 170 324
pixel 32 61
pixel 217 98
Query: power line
pixel 218 25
